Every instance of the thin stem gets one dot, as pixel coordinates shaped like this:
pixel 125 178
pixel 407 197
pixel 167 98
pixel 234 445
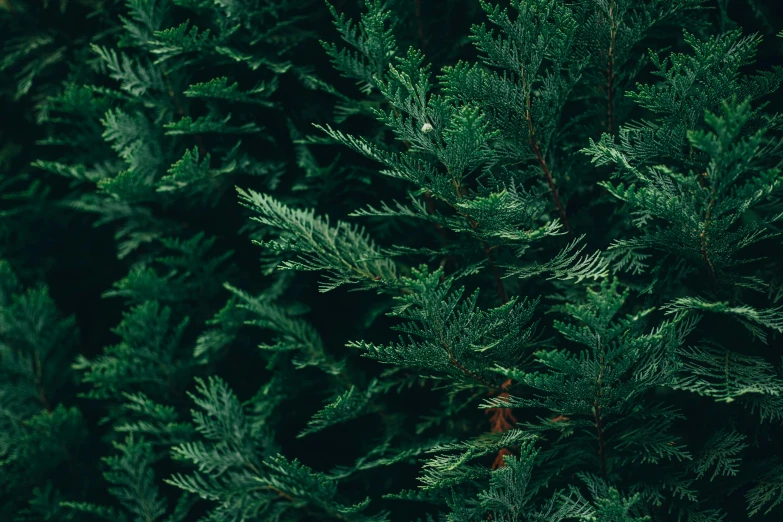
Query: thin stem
pixel 542 162
pixel 454 362
pixel 501 420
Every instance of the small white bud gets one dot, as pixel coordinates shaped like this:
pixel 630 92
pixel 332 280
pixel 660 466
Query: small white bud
pixel 427 128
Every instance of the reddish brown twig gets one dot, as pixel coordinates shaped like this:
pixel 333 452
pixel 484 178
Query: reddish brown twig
pixel 501 420
pixel 544 167
pixel 454 362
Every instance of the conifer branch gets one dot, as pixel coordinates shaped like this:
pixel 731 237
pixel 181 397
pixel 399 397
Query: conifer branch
pixel 454 362
pixel 502 418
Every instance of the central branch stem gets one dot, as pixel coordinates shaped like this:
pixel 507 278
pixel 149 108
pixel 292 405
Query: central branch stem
pixel 541 161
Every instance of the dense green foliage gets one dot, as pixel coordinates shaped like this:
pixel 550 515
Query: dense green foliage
pixel 381 260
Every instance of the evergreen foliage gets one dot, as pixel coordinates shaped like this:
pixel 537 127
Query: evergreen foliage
pixel 381 260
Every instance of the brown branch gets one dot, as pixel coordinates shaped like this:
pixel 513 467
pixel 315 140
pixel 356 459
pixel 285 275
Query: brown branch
pixel 544 167
pixel 500 458
pixel 280 493
pixel 501 420
pixel 454 362
pixel 551 182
